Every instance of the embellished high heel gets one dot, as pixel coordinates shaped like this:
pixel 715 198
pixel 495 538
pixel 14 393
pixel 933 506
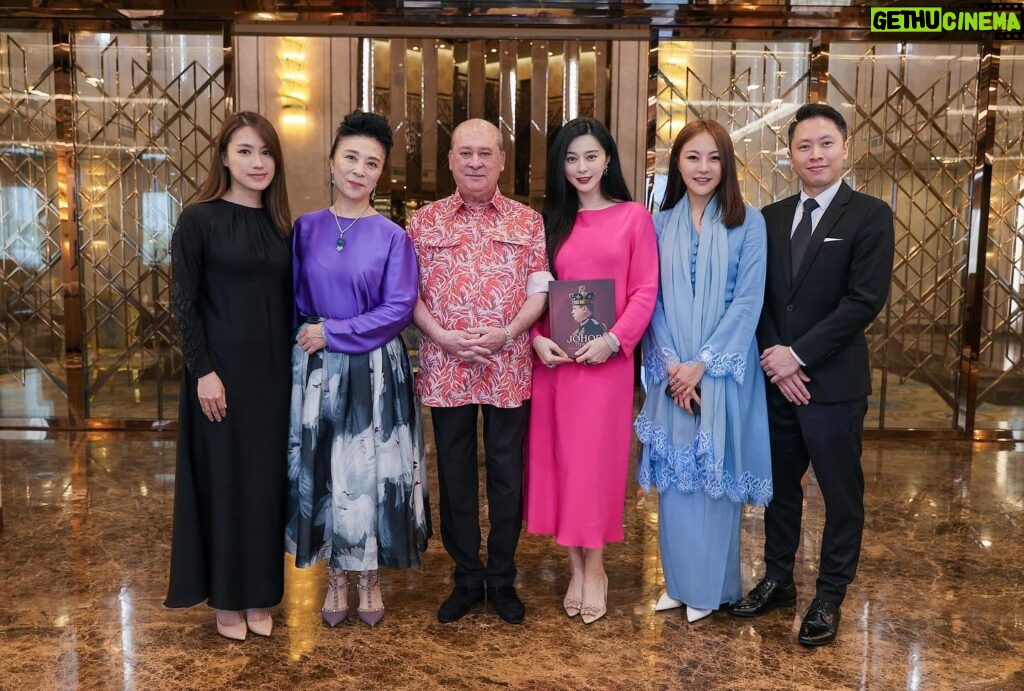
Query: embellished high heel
pixel 260 627
pixel 591 612
pixel 571 605
pixel 236 631
pixel 337 597
pixel 370 585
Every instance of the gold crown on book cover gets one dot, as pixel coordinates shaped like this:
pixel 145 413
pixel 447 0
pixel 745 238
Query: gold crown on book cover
pixel 582 296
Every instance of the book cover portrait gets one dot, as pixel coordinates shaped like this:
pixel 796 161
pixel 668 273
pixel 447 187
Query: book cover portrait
pixel 580 311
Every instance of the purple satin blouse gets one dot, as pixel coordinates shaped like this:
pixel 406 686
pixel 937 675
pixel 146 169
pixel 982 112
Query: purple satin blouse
pixel 367 292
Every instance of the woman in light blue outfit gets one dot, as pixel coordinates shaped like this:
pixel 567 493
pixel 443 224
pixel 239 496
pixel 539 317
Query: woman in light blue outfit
pixel 704 423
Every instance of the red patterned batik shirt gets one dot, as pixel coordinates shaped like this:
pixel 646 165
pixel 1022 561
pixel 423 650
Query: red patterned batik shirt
pixel 474 264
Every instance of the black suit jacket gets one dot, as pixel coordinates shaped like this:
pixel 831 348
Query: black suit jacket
pixel 840 287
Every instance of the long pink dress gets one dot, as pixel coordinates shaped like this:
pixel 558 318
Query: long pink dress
pixel 581 415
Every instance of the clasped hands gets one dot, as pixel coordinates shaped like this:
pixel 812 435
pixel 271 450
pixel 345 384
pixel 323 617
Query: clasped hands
pixel 785 372
pixel 593 352
pixel 475 344
pixel 683 380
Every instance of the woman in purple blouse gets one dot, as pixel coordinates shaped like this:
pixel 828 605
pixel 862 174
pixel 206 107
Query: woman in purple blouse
pixel 358 490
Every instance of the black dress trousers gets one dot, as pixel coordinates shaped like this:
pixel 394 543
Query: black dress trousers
pixel 455 435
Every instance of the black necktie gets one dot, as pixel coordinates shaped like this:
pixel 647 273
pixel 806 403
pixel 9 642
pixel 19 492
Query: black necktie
pixel 801 236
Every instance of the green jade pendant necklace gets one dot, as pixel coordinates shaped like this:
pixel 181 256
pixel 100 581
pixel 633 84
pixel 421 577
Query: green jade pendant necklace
pixel 340 244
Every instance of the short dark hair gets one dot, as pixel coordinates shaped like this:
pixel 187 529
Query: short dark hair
pixel 362 124
pixel 818 110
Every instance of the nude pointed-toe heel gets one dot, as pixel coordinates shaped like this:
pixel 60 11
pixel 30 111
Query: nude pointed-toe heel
pixel 236 631
pixel 261 627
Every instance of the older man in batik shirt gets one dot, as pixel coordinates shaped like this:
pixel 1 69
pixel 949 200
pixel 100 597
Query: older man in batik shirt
pixel 483 283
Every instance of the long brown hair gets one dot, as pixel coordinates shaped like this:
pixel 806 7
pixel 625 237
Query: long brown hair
pixel 275 197
pixel 730 199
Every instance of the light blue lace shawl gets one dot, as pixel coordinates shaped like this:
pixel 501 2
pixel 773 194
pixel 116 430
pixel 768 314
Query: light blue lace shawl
pixel 693 323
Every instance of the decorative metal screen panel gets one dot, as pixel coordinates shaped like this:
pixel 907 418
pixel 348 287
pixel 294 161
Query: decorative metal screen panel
pixel 911 109
pixel 33 376
pixel 147 107
pixel 1001 361
pixel 751 88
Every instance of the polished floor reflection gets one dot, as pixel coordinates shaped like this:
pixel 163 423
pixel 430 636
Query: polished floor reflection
pixel 128 394
pixel 937 605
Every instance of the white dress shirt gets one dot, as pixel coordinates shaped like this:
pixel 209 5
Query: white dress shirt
pixel 824 199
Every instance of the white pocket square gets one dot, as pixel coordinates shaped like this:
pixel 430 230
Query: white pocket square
pixel 834 239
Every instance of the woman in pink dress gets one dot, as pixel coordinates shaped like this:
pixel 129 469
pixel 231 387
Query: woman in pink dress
pixel 582 405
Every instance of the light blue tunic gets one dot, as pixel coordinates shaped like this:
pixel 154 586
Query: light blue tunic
pixel 706 467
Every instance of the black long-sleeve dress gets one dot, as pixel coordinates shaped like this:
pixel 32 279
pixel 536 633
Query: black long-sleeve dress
pixel 232 299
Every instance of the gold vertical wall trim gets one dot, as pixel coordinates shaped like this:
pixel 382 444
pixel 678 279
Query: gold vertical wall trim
pixel 398 65
pixel 538 121
pixel 977 240
pixel 230 87
pixel 477 79
pixel 244 93
pixel 601 81
pixel 652 125
pixel 570 81
pixel 344 99
pixel 630 61
pixel 71 269
pixel 887 314
pixel 365 76
pixel 428 135
pixel 817 89
pixel 508 84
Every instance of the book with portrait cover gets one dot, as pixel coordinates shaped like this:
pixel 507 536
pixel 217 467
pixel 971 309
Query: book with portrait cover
pixel 580 311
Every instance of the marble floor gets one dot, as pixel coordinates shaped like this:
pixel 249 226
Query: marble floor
pixel 937 605
pixel 907 403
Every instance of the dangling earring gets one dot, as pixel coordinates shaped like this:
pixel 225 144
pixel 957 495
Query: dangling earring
pixel 605 173
pixel 373 194
pixel 331 183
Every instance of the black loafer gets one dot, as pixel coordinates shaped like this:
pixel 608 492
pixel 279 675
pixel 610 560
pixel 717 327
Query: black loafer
pixel 507 604
pixel 459 603
pixel 820 625
pixel 766 596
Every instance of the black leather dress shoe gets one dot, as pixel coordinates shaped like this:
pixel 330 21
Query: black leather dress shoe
pixel 766 596
pixel 507 604
pixel 821 623
pixel 459 603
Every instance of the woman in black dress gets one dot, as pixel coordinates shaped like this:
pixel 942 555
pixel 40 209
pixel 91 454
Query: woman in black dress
pixel 232 299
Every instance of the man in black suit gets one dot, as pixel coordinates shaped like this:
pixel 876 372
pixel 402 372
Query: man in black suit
pixel 830 255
